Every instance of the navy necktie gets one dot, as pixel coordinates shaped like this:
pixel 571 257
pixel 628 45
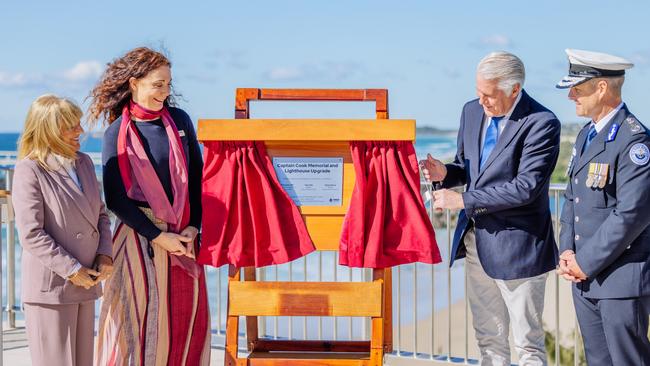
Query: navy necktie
pixel 491 137
pixel 590 136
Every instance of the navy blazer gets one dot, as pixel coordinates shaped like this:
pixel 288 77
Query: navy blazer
pixel 609 228
pixel 507 201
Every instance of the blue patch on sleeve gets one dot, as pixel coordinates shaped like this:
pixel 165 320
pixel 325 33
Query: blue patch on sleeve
pixel 639 154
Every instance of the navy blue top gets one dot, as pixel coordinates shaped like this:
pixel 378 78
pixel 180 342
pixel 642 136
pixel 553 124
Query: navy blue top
pixel 156 144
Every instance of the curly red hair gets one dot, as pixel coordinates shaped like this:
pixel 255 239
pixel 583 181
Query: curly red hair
pixel 112 91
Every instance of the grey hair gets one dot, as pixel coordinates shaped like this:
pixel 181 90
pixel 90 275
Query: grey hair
pixel 614 83
pixel 505 67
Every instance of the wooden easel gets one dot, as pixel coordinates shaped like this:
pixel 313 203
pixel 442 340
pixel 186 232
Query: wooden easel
pixel 251 298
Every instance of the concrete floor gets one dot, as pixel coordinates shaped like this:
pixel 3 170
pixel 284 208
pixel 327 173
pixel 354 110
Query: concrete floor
pixel 16 353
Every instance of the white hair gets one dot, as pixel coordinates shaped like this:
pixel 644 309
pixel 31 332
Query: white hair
pixel 504 67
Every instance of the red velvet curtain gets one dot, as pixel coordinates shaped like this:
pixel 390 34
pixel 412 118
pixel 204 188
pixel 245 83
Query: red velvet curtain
pixel 386 224
pixel 248 219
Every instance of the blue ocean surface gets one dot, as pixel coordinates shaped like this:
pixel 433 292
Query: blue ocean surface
pixel 440 146
pixel 89 142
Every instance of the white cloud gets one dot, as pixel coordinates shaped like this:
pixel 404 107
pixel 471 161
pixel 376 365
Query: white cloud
pixel 286 73
pixel 84 71
pixel 641 58
pixel 206 78
pixel 326 70
pixel 77 76
pixel 341 70
pixel 496 40
pixel 13 80
pixel 451 73
pixel 234 59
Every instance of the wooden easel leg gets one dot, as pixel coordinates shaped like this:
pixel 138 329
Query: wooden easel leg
pixel 377 342
pixel 230 357
pixel 252 335
pixel 232 325
pixel 386 275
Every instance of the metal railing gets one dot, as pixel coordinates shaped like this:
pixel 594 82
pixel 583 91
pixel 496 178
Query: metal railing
pixel 417 289
pixel 9 158
pixel 421 295
pixel 11 306
pixel 3 203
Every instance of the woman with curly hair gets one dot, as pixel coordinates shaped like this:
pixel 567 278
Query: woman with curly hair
pixel 155 308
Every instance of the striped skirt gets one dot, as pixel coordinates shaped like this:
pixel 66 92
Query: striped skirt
pixel 152 313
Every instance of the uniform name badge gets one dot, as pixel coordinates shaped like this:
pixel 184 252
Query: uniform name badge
pixel 597 177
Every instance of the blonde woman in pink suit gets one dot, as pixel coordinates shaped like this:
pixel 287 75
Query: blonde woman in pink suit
pixel 65 234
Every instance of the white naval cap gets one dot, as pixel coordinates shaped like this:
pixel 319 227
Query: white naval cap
pixel 584 65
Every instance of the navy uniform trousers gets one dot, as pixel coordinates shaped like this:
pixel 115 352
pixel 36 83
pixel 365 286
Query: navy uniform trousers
pixel 615 331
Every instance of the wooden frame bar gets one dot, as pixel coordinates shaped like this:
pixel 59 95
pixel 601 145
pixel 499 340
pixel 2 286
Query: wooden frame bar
pixel 316 130
pixel 244 95
pixel 305 299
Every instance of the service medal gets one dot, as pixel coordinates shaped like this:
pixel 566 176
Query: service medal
pixel 603 175
pixel 591 176
pixel 597 176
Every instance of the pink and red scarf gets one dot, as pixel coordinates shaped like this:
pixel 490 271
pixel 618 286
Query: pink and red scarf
pixel 141 181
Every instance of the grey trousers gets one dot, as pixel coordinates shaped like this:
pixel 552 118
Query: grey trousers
pixel 498 305
pixel 60 335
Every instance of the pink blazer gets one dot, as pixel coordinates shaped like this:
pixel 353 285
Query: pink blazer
pixel 59 225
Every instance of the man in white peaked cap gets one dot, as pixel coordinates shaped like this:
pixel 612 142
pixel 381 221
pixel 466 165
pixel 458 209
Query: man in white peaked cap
pixel 605 235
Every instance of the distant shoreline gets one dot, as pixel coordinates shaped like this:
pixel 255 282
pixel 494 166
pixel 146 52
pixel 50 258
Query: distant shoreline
pixel 429 131
pixel 569 129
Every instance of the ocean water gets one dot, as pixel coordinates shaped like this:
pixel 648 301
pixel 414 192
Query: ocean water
pixel 89 143
pixel 442 146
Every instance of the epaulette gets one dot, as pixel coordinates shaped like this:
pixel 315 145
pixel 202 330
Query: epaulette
pixel 633 125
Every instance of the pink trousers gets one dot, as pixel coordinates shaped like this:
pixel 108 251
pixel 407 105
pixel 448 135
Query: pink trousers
pixel 60 335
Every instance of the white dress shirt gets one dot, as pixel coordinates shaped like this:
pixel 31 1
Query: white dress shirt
pixel 608 117
pixel 69 166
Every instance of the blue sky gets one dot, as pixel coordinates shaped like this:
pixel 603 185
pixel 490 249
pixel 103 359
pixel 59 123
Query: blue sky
pixel 424 52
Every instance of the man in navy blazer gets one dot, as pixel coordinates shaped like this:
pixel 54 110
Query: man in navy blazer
pixel 508 145
pixel 605 235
